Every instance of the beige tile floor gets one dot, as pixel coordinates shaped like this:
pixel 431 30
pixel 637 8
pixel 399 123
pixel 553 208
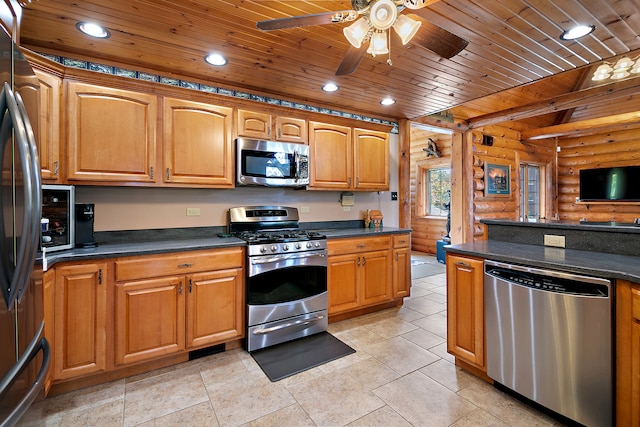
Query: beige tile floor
pixel 400 375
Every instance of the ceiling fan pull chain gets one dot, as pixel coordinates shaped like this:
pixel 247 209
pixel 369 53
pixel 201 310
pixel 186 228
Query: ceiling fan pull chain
pixel 389 44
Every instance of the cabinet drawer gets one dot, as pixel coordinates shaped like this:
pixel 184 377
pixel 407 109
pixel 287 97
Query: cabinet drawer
pixel 401 240
pixel 142 267
pixel 354 245
pixel 635 298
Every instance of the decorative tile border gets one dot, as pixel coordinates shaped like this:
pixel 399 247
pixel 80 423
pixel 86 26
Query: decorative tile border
pixel 123 72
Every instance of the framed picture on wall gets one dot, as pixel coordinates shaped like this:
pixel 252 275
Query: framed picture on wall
pixel 497 179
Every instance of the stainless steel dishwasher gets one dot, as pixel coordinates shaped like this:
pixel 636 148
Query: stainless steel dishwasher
pixel 549 339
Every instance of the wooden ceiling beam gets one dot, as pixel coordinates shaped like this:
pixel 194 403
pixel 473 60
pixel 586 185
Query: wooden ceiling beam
pixel 584 127
pixel 590 96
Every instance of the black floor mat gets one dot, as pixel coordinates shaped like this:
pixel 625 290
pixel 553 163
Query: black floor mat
pixel 289 358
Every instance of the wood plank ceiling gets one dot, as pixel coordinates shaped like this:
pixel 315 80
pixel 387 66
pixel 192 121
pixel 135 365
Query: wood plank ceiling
pixel 512 43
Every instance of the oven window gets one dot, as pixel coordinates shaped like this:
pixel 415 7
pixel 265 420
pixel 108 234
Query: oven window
pixel 267 164
pixel 286 284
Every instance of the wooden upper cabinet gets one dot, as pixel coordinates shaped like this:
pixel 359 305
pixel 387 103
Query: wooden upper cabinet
pixel 252 124
pixel 111 134
pixel 42 100
pixel 198 146
pixel 371 159
pixel 289 129
pixel 342 158
pixel 331 156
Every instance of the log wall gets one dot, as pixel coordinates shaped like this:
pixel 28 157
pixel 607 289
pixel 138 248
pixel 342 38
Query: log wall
pixel 621 148
pixel 426 230
pixel 506 150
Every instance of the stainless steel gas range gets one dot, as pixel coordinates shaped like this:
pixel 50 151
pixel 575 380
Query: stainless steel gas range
pixel 286 275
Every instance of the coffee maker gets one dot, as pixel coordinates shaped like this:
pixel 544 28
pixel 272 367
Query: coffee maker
pixel 84 226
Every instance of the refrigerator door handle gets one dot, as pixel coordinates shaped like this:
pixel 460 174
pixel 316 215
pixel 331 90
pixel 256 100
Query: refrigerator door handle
pixel 36 195
pixel 38 343
pixel 26 253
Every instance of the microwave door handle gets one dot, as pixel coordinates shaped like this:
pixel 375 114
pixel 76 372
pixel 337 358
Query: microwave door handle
pixel 297 160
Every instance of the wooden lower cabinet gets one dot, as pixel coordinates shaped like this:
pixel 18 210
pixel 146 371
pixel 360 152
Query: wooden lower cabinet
pixel 149 319
pixel 80 317
pixel 215 307
pixel 465 310
pixel 359 273
pixel 627 354
pixel 401 260
pixel 169 314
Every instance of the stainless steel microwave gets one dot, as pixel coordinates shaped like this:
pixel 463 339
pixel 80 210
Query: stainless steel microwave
pixel 271 163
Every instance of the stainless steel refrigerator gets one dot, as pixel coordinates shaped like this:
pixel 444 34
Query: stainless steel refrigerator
pixel 24 352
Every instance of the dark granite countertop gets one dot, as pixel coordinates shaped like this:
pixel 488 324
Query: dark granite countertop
pixel 609 227
pixel 599 264
pixel 120 246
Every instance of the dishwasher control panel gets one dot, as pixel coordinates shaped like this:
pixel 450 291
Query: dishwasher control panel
pixel 545 282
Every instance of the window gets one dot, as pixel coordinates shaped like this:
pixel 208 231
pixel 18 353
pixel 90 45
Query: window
pixel 438 191
pixel 531 188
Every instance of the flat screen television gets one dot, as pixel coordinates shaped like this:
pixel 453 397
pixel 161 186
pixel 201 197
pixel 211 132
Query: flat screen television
pixel 605 184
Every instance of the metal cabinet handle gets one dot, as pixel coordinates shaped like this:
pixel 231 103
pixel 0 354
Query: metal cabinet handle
pixel 462 264
pixel 364 260
pixel 185 265
pixel 56 168
pixel 361 245
pixel 190 285
pixel 358 261
pixel 151 172
pixel 100 276
pixel 168 174
pixel 180 288
pixel 396 256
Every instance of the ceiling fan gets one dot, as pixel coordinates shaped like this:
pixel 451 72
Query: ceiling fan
pixel 372 20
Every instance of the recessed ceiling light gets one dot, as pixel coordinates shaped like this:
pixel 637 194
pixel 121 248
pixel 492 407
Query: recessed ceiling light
pixel 577 32
pixel 330 87
pixel 215 59
pixel 93 30
pixel 388 101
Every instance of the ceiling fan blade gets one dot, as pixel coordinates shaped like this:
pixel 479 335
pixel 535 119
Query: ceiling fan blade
pixel 352 58
pixel 307 20
pixel 437 40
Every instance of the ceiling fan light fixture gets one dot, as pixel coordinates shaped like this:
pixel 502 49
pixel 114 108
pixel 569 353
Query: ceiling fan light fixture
pixel 356 32
pixel 603 72
pixel 623 64
pixel 378 44
pixel 577 32
pixel 383 14
pixel 93 30
pixel 406 28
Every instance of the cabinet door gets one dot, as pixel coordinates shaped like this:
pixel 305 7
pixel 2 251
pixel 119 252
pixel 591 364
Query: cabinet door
pixel 111 134
pixel 289 129
pixel 401 275
pixel 331 156
pixel 149 318
pixel 375 277
pixel 215 307
pixel 43 108
pixel 48 291
pixel 627 354
pixel 80 320
pixel 465 309
pixel 371 160
pixel 342 278
pixel 197 144
pixel 252 124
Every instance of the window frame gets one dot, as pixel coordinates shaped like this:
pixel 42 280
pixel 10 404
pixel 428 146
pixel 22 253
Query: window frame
pixel 423 168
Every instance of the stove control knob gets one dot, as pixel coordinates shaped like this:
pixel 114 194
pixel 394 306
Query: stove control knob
pixel 309 245
pixel 274 248
pixel 263 249
pixel 298 246
pixel 317 244
pixel 285 247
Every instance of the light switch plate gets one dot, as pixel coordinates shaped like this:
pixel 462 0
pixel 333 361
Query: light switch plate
pixel 193 211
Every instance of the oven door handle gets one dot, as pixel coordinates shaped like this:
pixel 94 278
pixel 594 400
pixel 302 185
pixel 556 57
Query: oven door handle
pixel 287 325
pixel 276 258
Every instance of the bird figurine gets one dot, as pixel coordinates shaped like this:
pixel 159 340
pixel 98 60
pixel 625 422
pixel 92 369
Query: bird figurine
pixel 431 149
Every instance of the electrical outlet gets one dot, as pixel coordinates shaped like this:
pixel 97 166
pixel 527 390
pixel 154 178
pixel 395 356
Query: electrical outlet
pixel 394 196
pixel 304 209
pixel 346 208
pixel 193 211
pixel 553 240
